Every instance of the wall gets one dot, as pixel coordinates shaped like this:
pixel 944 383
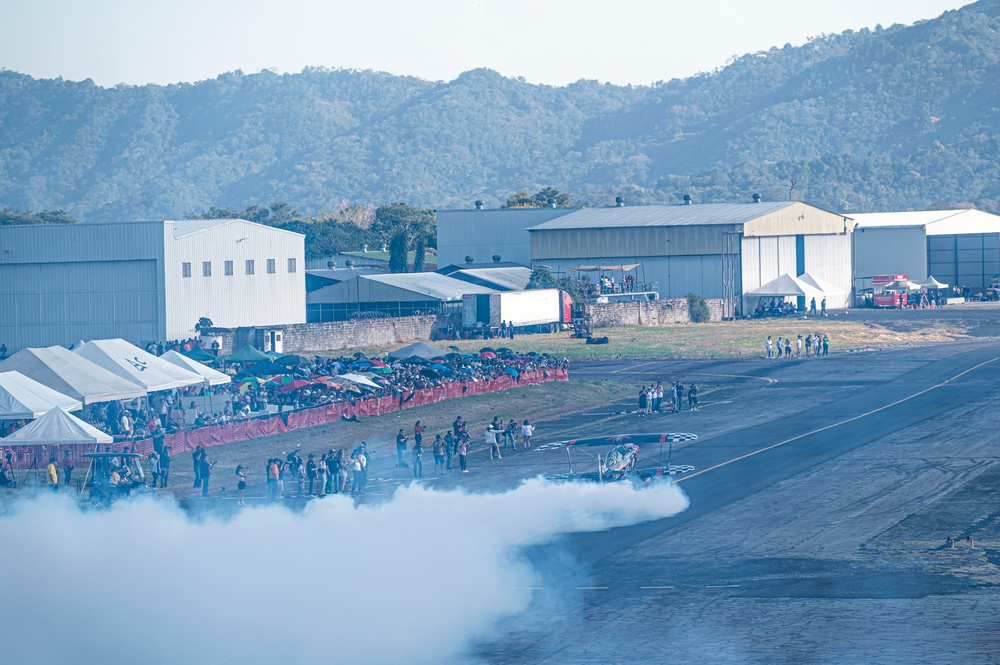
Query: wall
pixel 648 313
pixel 371 332
pixel 483 233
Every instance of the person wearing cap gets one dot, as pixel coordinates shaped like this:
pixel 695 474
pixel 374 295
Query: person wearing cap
pixel 52 475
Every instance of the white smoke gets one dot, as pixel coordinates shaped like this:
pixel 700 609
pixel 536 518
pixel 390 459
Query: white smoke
pixel 411 580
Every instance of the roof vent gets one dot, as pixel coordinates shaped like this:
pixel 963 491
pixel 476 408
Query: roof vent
pixel 619 202
pixel 479 205
pixel 687 199
pixel 330 264
pixel 756 198
pixel 470 260
pixel 496 258
pixel 349 263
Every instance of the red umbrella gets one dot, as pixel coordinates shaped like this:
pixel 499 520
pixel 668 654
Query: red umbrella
pixel 294 385
pixel 377 363
pixel 487 354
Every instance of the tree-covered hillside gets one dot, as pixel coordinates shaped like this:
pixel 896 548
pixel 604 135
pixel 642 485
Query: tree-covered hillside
pixel 898 118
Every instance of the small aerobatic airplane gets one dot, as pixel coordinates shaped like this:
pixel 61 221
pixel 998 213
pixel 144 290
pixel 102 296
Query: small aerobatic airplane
pixel 622 462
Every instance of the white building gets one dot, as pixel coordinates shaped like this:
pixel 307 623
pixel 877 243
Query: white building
pixel 957 247
pixel 145 281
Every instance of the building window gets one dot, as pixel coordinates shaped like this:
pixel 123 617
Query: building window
pixel 249 266
pixel 229 268
pixel 185 269
pixel 291 265
pixel 270 266
pixel 206 268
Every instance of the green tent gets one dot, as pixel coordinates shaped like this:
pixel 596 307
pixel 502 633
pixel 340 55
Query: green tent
pixel 247 354
pixel 199 354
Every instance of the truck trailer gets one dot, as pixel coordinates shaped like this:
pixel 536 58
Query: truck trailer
pixel 533 310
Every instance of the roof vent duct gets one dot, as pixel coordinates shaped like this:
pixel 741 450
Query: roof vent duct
pixel 550 203
pixel 619 202
pixel 470 260
pixel 479 205
pixel 687 199
pixel 756 198
pixel 496 258
pixel 349 263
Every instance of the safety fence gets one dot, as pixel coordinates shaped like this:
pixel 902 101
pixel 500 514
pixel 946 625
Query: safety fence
pixel 245 430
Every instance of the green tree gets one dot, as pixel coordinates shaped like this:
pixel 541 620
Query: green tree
pixel 8 216
pixel 419 254
pixel 542 278
pixel 697 308
pixel 540 199
pixel 398 250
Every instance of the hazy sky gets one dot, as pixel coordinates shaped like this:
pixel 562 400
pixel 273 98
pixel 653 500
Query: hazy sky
pixel 545 41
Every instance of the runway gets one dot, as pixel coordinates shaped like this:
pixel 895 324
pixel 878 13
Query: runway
pixel 822 495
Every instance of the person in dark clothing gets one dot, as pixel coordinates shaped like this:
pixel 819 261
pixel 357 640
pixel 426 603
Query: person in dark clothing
pixel 206 472
pixel 311 472
pixel 401 450
pixel 164 465
pixel 197 457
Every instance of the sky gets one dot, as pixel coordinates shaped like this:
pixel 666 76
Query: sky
pixel 544 41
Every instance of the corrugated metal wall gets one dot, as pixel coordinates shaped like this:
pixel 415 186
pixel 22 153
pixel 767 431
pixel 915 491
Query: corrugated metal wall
pixel 829 258
pixel 483 233
pixel 885 251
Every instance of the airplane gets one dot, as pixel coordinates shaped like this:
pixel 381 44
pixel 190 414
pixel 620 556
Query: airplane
pixel 622 461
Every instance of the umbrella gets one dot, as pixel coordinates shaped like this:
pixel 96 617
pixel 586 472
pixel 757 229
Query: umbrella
pixel 455 348
pixel 359 354
pixel 247 354
pixel 361 364
pixel 271 354
pixel 355 378
pixel 487 354
pixel 351 388
pixel 292 359
pixel 511 371
pixel 338 366
pixel 199 354
pixel 266 369
pixel 377 363
pixel 504 351
pixel 294 385
pixel 382 370
pixel 487 349
pixel 280 380
pixel 430 373
pixel 468 355
pixel 453 356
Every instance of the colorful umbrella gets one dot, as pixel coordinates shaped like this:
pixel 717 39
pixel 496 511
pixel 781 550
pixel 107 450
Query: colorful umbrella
pixel 294 385
pixel 487 354
pixel 280 380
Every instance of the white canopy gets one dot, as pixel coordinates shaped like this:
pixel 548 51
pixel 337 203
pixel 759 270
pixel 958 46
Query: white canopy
pixel 70 374
pixel 358 379
pixel 931 283
pixel 825 287
pixel 22 397
pixel 421 350
pixel 137 366
pixel 212 377
pixel 57 428
pixel 785 285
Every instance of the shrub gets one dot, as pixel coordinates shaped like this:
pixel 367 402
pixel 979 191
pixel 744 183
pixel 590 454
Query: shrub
pixel 697 308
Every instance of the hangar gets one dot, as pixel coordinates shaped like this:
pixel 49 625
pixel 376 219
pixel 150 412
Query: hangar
pixel 145 281
pixel 401 294
pixel 957 247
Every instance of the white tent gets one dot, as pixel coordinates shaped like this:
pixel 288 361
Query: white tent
pixel 785 285
pixel 70 374
pixel 931 283
pixel 358 379
pixel 57 428
pixel 22 397
pixel 821 284
pixel 212 377
pixel 421 350
pixel 137 366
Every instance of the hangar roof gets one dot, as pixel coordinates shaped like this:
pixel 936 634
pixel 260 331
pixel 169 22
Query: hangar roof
pixel 704 214
pixel 513 278
pixel 935 222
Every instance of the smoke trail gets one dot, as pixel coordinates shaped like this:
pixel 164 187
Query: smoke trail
pixel 412 580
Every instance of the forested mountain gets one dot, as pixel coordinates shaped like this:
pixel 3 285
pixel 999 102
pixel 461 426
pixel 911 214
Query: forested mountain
pixel 898 118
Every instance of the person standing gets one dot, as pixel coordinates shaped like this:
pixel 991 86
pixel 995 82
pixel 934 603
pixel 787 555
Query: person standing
pixel 826 345
pixel 311 473
pixel 798 346
pixel 643 401
pixel 768 347
pixel 164 465
pixel 332 472
pixel 788 348
pixel 491 441
pixel 356 469
pixel 812 306
pixel 418 434
pixel 439 446
pixel 196 457
pixel 68 467
pixel 52 475
pixel 510 435
pixel 693 397
pixel 450 445
pixel 241 485
pixel 418 459
pixel 401 450
pixel 527 429
pixel 154 467
pixel 822 306
pixel 463 453
pixel 809 344
pixel 272 480
pixel 206 472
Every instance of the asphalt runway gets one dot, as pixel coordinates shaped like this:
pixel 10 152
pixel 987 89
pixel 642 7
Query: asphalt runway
pixel 822 494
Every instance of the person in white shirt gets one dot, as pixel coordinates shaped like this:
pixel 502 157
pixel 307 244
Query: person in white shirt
pixel 527 430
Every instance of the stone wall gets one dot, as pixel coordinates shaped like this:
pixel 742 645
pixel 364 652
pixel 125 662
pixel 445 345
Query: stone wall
pixel 366 332
pixel 648 312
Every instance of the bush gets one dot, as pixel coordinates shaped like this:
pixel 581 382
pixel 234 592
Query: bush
pixel 697 308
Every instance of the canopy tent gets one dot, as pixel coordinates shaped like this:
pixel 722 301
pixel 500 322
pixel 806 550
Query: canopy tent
pixel 133 364
pixel 57 428
pixel 931 283
pixel 617 267
pixel 72 375
pixel 22 397
pixel 199 354
pixel 825 287
pixel 785 285
pixel 358 379
pixel 421 350
pixel 211 376
pixel 248 354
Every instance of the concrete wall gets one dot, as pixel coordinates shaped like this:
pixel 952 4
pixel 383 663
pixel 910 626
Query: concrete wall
pixel 648 313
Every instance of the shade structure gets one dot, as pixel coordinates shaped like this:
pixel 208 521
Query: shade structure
pixel 785 285
pixel 133 364
pixel 931 283
pixel 247 354
pixel 199 354
pixel 359 380
pixel 824 286
pixel 212 377
pixel 57 428
pixel 70 374
pixel 23 397
pixel 421 350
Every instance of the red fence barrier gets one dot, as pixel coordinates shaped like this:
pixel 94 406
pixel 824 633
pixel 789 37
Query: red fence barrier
pixel 217 435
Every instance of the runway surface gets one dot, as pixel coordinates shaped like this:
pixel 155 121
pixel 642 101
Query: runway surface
pixel 822 495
